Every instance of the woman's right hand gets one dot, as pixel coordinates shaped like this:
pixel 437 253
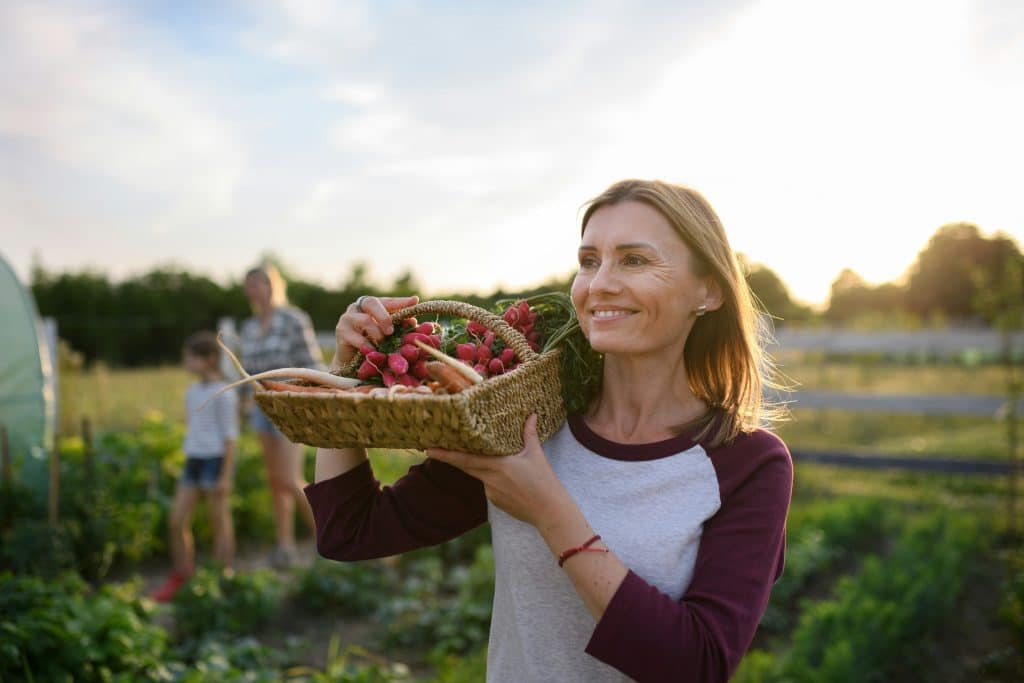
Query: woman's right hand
pixel 373 323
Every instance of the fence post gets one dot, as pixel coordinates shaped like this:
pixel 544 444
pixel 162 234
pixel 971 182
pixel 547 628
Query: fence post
pixel 88 452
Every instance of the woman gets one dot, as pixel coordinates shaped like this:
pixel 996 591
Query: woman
pixel 643 538
pixel 278 336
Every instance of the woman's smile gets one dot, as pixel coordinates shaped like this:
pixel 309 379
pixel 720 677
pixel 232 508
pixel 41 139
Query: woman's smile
pixel 610 315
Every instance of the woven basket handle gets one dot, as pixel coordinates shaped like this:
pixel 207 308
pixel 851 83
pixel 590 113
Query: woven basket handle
pixel 495 323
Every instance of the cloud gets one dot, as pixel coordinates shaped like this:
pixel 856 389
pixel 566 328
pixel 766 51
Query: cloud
pixel 312 32
pixel 81 91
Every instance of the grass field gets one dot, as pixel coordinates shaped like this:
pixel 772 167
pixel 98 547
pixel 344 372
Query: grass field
pixel 120 399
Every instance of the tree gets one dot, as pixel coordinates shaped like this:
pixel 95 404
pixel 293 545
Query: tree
pixel 772 292
pixel 852 297
pixel 941 279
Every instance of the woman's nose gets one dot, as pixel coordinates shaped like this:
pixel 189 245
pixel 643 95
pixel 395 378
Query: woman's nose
pixel 605 280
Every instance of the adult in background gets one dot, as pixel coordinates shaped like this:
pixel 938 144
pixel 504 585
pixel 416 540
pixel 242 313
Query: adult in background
pixel 278 335
pixel 642 540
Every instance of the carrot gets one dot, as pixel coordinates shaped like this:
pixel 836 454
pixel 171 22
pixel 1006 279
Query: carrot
pixel 447 377
pixel 287 386
pixel 316 376
pixel 467 372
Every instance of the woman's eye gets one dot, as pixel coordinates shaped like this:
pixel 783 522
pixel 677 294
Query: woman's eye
pixel 634 260
pixel 587 262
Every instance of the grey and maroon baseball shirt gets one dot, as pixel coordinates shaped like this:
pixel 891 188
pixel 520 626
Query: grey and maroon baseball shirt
pixel 702 531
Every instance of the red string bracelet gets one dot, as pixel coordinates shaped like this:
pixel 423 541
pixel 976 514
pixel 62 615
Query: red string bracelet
pixel 579 549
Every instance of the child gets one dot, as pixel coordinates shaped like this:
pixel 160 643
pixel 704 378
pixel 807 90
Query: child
pixel 209 447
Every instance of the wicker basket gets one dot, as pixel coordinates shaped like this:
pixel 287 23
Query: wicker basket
pixel 486 419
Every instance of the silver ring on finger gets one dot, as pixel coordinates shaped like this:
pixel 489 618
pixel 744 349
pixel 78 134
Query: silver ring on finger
pixel 359 303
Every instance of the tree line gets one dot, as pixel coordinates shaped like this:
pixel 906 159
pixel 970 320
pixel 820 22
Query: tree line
pixel 143 320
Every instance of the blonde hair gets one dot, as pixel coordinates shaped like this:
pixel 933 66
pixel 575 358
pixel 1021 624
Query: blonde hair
pixel 726 363
pixel 278 286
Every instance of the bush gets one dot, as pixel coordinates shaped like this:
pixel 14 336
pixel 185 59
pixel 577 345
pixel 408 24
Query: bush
pixel 449 610
pixel 1012 607
pixel 880 618
pixel 347 588
pixel 821 537
pixel 62 631
pixel 223 602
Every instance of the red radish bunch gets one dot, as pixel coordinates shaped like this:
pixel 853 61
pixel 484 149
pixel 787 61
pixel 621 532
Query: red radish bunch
pixel 523 318
pixel 487 354
pixel 397 360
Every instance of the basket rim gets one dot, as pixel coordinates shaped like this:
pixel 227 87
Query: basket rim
pixel 466 393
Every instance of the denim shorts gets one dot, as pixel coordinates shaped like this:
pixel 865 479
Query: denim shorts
pixel 261 423
pixel 201 473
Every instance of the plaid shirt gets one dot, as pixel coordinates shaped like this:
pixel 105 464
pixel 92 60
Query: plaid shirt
pixel 289 342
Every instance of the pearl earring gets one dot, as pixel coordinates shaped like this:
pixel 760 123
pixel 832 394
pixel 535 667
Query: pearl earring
pixel 702 309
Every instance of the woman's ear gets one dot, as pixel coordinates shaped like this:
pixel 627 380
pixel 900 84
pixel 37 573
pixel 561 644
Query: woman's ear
pixel 714 294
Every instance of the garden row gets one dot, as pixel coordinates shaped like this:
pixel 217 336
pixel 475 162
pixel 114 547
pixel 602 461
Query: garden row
pixel 871 587
pixel 436 601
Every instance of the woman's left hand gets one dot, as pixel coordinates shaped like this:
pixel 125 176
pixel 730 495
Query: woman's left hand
pixel 523 485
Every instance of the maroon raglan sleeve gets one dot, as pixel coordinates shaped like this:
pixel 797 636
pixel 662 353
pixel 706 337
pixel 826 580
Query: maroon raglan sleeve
pixel 357 519
pixel 702 637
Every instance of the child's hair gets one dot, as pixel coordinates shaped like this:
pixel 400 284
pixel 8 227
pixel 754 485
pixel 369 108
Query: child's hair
pixel 203 344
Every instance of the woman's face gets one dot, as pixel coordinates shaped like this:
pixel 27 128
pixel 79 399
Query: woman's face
pixel 257 288
pixel 635 292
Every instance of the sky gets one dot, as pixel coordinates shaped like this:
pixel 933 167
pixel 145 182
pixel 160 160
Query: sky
pixel 459 140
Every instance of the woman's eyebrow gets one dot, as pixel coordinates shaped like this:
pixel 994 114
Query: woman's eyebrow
pixel 623 247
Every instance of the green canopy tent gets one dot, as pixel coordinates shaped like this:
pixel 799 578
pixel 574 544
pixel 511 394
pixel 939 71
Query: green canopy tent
pixel 28 400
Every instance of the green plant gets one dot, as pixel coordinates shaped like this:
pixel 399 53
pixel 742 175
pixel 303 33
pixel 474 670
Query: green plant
pixel 448 609
pixel 1011 608
pixel 821 536
pixel 225 602
pixel 352 665
pixel 878 620
pixel 347 588
pixel 62 631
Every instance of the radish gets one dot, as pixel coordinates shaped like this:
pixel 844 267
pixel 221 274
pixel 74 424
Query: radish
pixel 476 329
pixel 481 369
pixel 408 380
pixel 425 328
pixel 484 354
pixel 378 358
pixel 511 315
pixel 366 370
pixel 412 337
pixel 488 338
pixel 397 363
pixel 410 353
pixel 388 377
pixel 366 349
pixel 495 367
pixel 508 357
pixel 419 369
pixel 466 351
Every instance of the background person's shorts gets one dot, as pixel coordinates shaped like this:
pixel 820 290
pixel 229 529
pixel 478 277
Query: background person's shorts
pixel 261 423
pixel 201 473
